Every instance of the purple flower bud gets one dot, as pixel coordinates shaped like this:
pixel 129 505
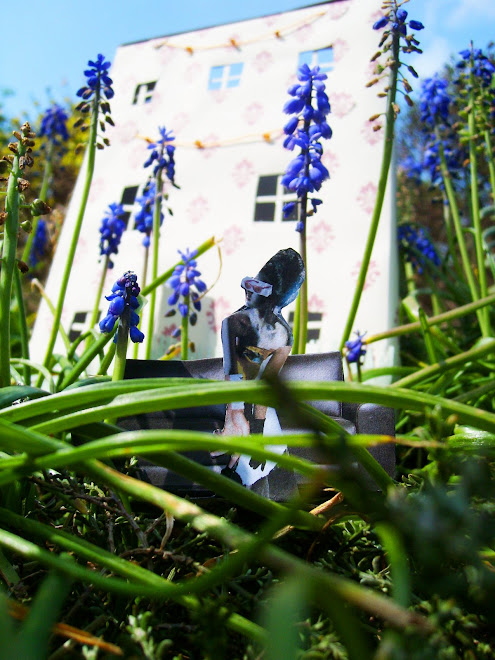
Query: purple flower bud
pixel 117 306
pixel 381 23
pixel 416 25
pixel 136 335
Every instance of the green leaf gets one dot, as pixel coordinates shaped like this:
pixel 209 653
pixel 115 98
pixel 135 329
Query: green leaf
pixel 18 392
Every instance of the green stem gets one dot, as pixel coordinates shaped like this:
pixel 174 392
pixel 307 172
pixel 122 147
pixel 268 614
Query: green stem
pixel 22 325
pixel 486 348
pixel 77 230
pixel 456 313
pixel 86 358
pixel 302 299
pixel 96 308
pixel 449 188
pixel 184 331
pixel 121 348
pixel 382 186
pixel 491 163
pixel 475 205
pixel 144 276
pixel 154 264
pixel 9 247
pixel 47 175
pixel 450 238
pixel 107 360
pixel 50 306
pixel 204 247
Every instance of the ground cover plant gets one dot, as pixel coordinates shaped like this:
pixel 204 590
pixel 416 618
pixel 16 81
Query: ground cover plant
pixel 97 564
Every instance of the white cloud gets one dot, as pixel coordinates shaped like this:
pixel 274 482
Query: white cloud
pixel 434 57
pixel 468 11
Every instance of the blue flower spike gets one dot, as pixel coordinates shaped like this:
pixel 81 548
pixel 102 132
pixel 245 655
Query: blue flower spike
pixel 144 217
pixel 162 154
pixel 186 286
pixel 111 229
pixel 123 305
pixel 394 41
pixel 95 96
pixel 310 106
pixel 417 247
pixel 356 348
pixel 54 124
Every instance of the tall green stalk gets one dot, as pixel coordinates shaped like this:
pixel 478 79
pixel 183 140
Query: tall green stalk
pixel 96 308
pixel 47 175
pixel 466 264
pixel 382 186
pixel 154 264
pixel 77 230
pixel 475 206
pixel 9 248
pixel 490 161
pixel 184 331
pixel 302 299
pixel 23 329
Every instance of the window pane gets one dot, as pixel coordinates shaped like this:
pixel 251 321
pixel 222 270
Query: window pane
pixel 306 57
pixel 267 185
pixel 236 69
pixel 129 195
pixel 214 85
pixel 264 212
pixel 233 82
pixel 325 58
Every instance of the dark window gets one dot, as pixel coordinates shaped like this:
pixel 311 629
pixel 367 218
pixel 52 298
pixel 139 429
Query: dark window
pixel 314 319
pixel 264 211
pixel 79 324
pixel 143 93
pixel 127 200
pixel 267 185
pixel 271 196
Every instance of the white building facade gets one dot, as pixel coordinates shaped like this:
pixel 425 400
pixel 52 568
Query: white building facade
pixel 221 91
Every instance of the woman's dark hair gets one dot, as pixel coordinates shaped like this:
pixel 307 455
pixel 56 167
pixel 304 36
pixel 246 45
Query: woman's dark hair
pixel 285 272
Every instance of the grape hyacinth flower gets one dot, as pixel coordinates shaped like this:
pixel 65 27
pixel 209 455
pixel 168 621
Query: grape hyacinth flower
pixel 53 124
pixel 355 348
pixel 397 21
pixel 309 106
pixel 123 303
pixel 162 154
pixel 186 286
pixel 144 217
pixel 482 68
pixel 40 243
pixel 417 247
pixel 111 229
pixel 98 79
pixel 435 101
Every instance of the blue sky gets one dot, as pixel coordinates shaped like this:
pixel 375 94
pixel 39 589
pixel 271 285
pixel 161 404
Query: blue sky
pixel 48 42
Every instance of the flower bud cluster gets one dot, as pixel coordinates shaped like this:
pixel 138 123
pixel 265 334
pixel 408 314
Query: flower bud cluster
pixel 144 217
pixel 111 229
pixel 98 85
pixel 309 106
pixel 355 348
pixel 54 124
pixel 187 287
pixel 417 247
pixel 162 154
pixel 123 303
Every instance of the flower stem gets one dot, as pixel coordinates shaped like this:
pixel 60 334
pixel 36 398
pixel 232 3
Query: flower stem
pixel 96 308
pixel 77 230
pixel 154 264
pixel 382 186
pixel 184 332
pixel 47 175
pixel 468 273
pixel 475 204
pixel 121 347
pixel 23 329
pixel 135 350
pixel 491 163
pixel 302 299
pixel 9 248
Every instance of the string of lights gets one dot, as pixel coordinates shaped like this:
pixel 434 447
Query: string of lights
pixel 238 44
